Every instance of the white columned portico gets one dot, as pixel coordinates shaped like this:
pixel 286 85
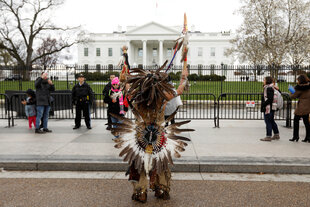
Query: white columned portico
pixel 160 52
pixel 144 53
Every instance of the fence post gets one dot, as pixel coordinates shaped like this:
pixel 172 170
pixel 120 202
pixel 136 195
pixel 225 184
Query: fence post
pixel 67 77
pixel 289 112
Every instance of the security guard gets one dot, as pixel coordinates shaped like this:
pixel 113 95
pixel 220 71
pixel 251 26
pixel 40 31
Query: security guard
pixel 82 96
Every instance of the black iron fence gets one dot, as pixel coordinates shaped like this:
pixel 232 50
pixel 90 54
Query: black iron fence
pixel 216 92
pixel 232 106
pixel 215 79
pixel 247 106
pixel 5 108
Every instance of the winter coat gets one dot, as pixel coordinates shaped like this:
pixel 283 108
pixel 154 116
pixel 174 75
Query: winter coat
pixel 302 92
pixel 113 108
pixel 265 103
pixel 106 89
pixel 82 93
pixel 43 90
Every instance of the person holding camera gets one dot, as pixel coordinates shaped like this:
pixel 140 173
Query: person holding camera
pixel 82 96
pixel 43 101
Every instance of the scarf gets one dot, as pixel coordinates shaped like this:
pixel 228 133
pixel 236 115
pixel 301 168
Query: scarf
pixel 274 102
pixel 118 94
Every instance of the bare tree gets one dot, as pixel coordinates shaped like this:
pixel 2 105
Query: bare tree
pixel 5 58
pixel 47 46
pixel 247 50
pixel 23 23
pixel 275 24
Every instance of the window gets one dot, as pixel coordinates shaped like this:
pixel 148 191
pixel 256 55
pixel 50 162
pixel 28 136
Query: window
pixel 169 52
pixel 200 51
pixel 98 67
pixel 140 52
pixel 212 67
pixel 110 52
pixel 154 52
pixel 200 69
pixel 86 67
pixel 98 52
pixel 110 67
pixel 85 51
pixel 212 51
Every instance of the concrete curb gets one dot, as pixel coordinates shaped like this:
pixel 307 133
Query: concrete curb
pixel 186 165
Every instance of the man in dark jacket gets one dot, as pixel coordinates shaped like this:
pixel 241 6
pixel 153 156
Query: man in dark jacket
pixel 105 93
pixel 82 97
pixel 43 100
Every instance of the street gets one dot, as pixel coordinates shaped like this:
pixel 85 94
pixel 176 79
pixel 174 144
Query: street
pixel 85 190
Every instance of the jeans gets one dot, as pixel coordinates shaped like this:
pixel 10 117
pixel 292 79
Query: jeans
pixel 42 111
pixel 296 126
pixel 270 124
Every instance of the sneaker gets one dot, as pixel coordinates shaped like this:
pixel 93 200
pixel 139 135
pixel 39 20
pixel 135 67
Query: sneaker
pixel 89 127
pixel 38 131
pixel 266 139
pixel 76 127
pixel 276 137
pixel 47 130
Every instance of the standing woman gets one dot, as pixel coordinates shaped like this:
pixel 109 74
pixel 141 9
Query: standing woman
pixel 302 92
pixel 268 108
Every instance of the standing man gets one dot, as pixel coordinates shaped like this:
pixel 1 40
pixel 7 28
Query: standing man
pixel 105 93
pixel 82 96
pixel 43 100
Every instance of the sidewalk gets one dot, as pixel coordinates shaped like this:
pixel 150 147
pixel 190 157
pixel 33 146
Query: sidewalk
pixel 234 147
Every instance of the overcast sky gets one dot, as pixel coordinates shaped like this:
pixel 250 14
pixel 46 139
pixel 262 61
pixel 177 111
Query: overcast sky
pixel 106 15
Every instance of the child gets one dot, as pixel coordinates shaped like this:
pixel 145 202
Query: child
pixel 30 107
pixel 115 100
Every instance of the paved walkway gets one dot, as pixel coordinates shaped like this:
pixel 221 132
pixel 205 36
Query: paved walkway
pixel 107 192
pixel 234 147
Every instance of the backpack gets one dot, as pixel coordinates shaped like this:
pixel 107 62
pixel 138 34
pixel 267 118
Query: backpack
pixel 277 99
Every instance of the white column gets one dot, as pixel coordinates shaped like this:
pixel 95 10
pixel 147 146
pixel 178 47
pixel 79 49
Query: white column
pixel 129 52
pixel 160 52
pixel 144 52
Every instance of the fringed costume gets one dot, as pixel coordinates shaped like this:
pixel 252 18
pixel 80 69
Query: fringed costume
pixel 147 144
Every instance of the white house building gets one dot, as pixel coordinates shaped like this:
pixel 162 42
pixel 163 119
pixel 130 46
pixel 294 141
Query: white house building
pixel 151 44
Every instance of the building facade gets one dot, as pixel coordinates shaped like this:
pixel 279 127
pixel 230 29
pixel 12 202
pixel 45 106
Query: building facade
pixel 152 44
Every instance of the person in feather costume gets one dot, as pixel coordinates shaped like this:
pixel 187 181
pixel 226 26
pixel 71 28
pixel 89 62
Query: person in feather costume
pixel 147 144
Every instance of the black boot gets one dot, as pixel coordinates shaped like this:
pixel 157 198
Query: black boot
pixel 294 139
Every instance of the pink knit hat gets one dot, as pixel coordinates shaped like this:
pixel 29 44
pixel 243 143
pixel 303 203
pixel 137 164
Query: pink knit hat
pixel 115 81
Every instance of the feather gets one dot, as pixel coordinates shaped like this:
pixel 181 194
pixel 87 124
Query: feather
pixel 120 130
pixel 177 131
pixel 124 151
pixel 175 137
pixel 169 157
pixel 171 117
pixel 177 124
pixel 119 145
pixel 176 154
pixel 180 45
pixel 162 67
pixel 123 119
pixel 129 154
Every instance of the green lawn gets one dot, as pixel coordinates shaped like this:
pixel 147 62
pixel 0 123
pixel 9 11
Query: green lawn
pixel 213 87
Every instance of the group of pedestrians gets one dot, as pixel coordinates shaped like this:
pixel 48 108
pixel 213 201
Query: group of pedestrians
pixel 38 104
pixel 269 107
